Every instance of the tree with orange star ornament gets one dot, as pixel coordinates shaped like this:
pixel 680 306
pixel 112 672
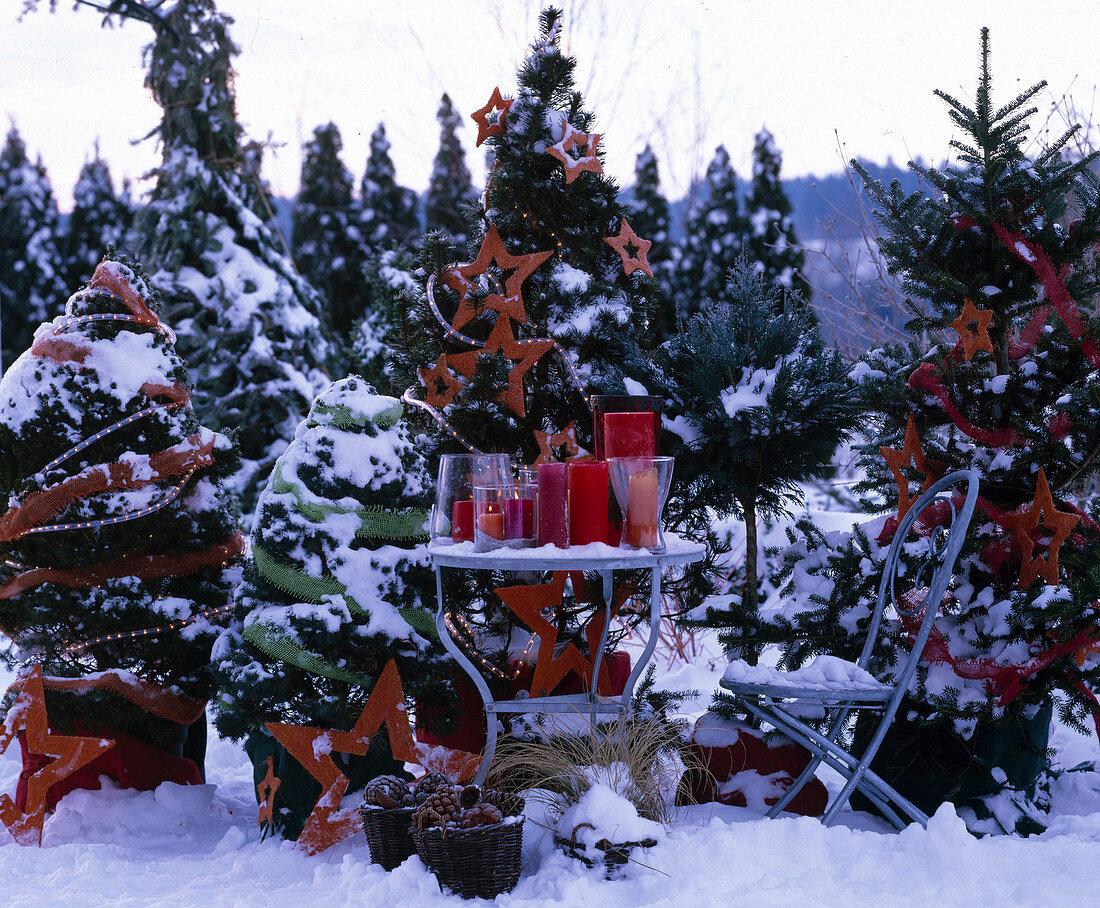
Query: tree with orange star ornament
pixel 1003 277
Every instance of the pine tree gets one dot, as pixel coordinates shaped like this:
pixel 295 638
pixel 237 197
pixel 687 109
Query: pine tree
pixel 116 553
pixel 388 217
pixel 325 238
pixel 31 285
pixel 450 191
pixel 99 219
pixel 771 240
pixel 1009 387
pixel 390 285
pixel 714 239
pixel 649 216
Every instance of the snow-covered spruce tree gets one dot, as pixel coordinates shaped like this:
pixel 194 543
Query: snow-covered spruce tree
pixel 330 592
pixel 119 534
pixel 388 211
pixel 325 234
pixel 99 219
pixel 450 190
pixel 649 216
pixel 714 237
pixel 1011 388
pixel 772 243
pixel 31 284
pixel 389 284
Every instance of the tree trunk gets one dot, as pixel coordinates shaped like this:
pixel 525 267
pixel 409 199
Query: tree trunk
pixel 749 599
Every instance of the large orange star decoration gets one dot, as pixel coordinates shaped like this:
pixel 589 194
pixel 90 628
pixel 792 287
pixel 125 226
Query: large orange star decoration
pixel 312 747
pixel 911 453
pixel 71 752
pixel 571 139
pixel 524 353
pixel 493 252
pixel 439 383
pixel 528 601
pixel 1036 521
pixel 972 325
pixel 492 118
pixel 266 789
pixel 560 443
pixel 632 249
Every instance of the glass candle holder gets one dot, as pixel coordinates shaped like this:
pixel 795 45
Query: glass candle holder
pixel 521 513
pixel 630 434
pixel 641 487
pixel 452 517
pixel 489 505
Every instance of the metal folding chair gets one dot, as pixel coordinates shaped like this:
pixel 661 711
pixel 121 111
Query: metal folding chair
pixel 778 698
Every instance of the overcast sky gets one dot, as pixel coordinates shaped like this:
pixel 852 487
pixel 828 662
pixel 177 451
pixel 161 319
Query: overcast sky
pixel 684 75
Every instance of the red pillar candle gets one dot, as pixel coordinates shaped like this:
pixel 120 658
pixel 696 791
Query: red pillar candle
pixel 587 502
pixel 629 435
pixel 553 505
pixel 462 521
pixel 519 518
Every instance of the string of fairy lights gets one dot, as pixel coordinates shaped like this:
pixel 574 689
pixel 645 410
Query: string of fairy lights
pixel 75 649
pixel 473 654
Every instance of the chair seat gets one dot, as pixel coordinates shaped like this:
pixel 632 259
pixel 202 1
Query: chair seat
pixel 828 679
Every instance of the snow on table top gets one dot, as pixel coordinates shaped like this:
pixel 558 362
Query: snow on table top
pixel 824 673
pixel 593 556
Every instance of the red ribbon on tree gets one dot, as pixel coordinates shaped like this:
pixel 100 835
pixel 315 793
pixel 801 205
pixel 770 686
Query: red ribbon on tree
pixel 924 379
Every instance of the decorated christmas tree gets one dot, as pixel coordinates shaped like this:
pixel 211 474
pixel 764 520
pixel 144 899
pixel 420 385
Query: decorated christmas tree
pixel 119 534
pixel 331 592
pixel 388 215
pixel 450 191
pixel 649 216
pixel 1000 264
pixel 100 218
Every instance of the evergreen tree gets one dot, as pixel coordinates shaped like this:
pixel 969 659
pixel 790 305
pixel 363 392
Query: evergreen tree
pixel 119 533
pixel 714 238
pixel 99 219
pixel 388 217
pixel 325 237
pixel 389 284
pixel 450 191
pixel 31 285
pixel 1009 388
pixel 649 217
pixel 771 239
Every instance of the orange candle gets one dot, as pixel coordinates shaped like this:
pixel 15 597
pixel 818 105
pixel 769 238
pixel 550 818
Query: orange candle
pixel 642 509
pixel 491 524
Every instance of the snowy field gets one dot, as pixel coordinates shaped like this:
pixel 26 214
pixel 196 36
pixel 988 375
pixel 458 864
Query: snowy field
pixel 201 846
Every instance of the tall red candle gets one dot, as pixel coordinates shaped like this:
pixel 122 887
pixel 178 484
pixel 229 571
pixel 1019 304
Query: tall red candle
pixel 629 435
pixel 462 521
pixel 587 502
pixel 553 505
pixel 519 518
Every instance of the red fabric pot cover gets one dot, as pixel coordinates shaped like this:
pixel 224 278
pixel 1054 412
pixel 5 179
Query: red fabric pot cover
pixel 132 762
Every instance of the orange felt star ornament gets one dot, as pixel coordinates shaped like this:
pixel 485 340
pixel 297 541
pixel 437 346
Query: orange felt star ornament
pixel 524 353
pixel 571 139
pixel 312 747
pixel 439 382
pixel 492 118
pixel 266 789
pixel 910 453
pixel 563 442
pixel 1039 520
pixel 70 752
pixel 632 249
pixel 972 326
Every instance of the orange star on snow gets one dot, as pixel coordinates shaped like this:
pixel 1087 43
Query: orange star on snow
pixel 564 442
pixel 588 143
pixel 898 462
pixel 70 752
pixel 492 118
pixel 972 325
pixel 439 382
pixel 632 249
pixel 1034 522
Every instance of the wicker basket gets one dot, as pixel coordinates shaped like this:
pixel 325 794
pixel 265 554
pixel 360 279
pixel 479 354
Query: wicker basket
pixel 611 857
pixel 481 862
pixel 388 835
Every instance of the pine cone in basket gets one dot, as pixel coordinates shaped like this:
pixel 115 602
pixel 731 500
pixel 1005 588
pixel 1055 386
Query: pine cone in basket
pixel 470 796
pixel 388 792
pixel 481 814
pixel 510 805
pixel 428 785
pixel 441 809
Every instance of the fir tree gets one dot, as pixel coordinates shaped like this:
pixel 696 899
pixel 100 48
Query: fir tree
pixel 389 284
pixel 99 219
pixel 388 217
pixel 31 285
pixel 116 553
pixel 649 217
pixel 450 191
pixel 771 239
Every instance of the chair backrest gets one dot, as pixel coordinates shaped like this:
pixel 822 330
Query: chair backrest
pixel 943 546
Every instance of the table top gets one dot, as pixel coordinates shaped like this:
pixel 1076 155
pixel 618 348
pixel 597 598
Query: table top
pixel 592 557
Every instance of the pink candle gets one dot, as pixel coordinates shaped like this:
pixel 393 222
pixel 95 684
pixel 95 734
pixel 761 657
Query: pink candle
pixel 519 518
pixel 587 502
pixel 462 521
pixel 629 435
pixel 553 505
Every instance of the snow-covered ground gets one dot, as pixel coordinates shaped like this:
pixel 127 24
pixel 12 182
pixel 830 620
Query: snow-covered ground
pixel 201 846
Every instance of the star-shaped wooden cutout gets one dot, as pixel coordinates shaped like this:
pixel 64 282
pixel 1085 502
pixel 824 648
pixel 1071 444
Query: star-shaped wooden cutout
pixel 972 325
pixel 439 382
pixel 551 447
pixel 70 752
pixel 571 138
pixel 312 747
pixel 911 453
pixel 524 353
pixel 492 118
pixel 527 602
pixel 1040 519
pixel 632 249
pixel 266 790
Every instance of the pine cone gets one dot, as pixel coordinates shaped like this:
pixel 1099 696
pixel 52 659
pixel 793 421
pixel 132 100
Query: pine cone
pixel 511 805
pixel 428 785
pixel 470 796
pixel 440 809
pixel 481 814
pixel 388 792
